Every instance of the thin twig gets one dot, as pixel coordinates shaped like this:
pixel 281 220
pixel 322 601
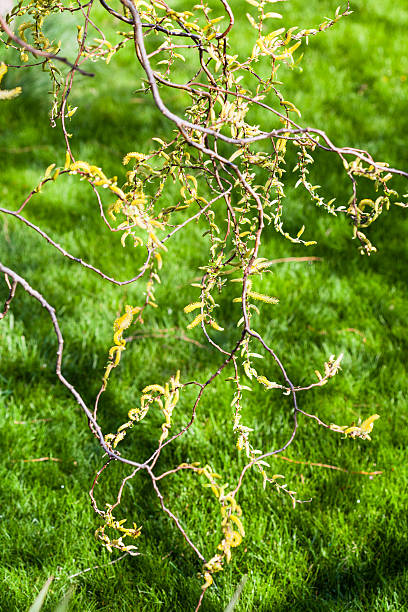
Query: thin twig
pixel 52 56
pixel 77 259
pixel 39 459
pixel 89 569
pixel 331 467
pixel 8 301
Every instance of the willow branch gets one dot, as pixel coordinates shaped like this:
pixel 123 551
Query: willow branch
pixel 39 52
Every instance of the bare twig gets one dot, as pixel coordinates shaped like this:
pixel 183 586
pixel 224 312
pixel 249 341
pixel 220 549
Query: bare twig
pixel 90 569
pixel 331 467
pixel 38 459
pixel 8 301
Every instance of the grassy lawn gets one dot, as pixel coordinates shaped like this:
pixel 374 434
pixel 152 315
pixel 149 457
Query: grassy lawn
pixel 345 550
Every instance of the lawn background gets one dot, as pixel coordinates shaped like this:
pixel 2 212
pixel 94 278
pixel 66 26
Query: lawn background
pixel 348 548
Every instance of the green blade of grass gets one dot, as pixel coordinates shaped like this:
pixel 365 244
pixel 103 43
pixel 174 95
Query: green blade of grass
pixel 39 600
pixel 237 594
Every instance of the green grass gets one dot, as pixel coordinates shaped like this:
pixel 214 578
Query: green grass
pixel 348 548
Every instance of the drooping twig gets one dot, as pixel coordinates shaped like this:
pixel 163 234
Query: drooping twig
pixel 210 152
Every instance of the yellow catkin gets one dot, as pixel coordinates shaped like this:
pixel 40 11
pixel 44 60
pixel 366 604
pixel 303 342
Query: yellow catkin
pixel 196 321
pixel 262 298
pixel 192 306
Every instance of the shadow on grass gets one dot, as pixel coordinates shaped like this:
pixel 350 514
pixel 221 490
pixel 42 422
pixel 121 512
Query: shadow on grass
pixel 359 585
